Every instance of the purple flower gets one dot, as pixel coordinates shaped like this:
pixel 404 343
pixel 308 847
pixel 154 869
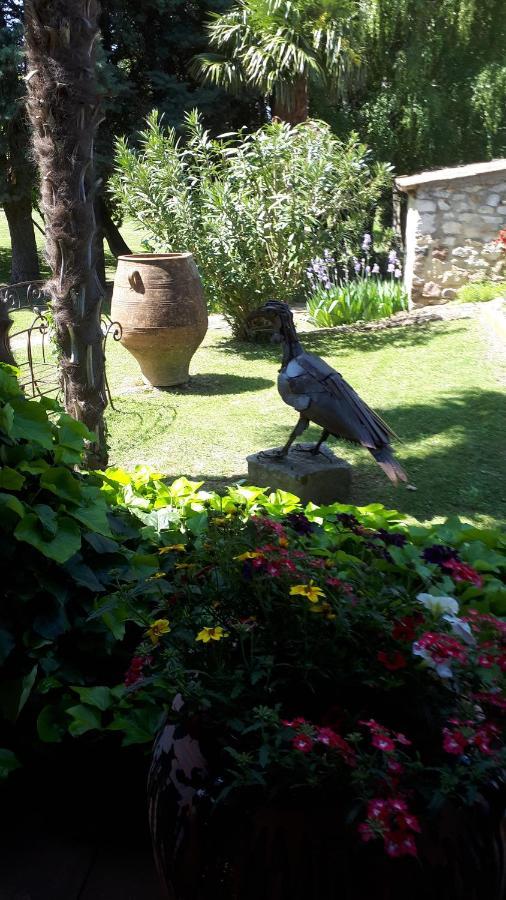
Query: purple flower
pixel 300 523
pixel 391 537
pixel 392 256
pixel 357 266
pixel 438 554
pixel 398 273
pixel 391 268
pixel 375 269
pixel 366 242
pixel 367 270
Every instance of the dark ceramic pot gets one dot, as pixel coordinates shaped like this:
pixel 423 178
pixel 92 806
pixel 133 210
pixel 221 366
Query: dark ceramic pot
pixel 303 849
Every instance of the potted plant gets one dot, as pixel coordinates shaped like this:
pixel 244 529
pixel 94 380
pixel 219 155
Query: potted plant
pixel 335 711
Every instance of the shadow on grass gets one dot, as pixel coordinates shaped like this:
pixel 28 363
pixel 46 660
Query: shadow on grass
pixel 331 341
pixel 460 469
pixel 219 383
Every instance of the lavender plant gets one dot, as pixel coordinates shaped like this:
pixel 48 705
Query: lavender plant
pixel 356 291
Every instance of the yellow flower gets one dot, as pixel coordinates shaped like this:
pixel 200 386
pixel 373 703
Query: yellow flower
pixel 179 548
pixel 185 565
pixel 211 634
pixel 156 575
pixel 311 591
pixel 283 542
pixel 219 521
pixel 155 631
pixel 250 554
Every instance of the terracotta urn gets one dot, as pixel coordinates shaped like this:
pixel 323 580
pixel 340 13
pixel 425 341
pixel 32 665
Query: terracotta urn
pixel 159 303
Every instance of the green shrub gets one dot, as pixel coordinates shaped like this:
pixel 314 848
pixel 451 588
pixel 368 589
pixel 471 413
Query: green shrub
pixel 253 209
pixel 364 299
pixel 481 291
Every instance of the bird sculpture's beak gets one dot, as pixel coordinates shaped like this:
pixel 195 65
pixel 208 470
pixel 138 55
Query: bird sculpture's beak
pixel 262 320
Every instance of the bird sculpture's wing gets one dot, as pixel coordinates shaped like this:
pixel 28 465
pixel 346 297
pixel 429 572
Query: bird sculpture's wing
pixel 333 404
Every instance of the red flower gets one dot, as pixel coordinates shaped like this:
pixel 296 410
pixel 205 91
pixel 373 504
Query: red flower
pixel 459 571
pixel 502 238
pixel 496 699
pixel 404 629
pixel 135 670
pixel 392 661
pixel 440 647
pixel 402 739
pixel 303 743
pixel 398 843
pixel 334 582
pixel 293 723
pixel 454 742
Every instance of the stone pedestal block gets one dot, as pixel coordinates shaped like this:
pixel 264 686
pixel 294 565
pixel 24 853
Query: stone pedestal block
pixel 321 479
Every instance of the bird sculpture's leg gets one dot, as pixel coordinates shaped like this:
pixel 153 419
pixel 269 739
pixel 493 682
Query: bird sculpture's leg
pixel 301 426
pixel 316 449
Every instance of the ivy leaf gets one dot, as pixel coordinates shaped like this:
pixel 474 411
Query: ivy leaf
pixel 6 418
pixel 7 644
pixel 15 693
pixel 49 728
pixel 84 719
pixel 8 762
pixel 10 479
pixel 9 502
pixel 62 483
pixel 31 423
pixel 60 547
pixel 99 696
pixel 47 517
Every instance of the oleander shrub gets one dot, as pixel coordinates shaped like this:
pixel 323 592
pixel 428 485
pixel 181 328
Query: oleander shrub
pixel 254 209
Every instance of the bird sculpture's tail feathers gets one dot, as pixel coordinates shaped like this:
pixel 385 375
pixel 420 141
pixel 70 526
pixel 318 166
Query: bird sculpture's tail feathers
pixel 386 459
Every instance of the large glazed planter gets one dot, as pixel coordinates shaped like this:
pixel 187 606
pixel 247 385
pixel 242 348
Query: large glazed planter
pixel 302 848
pixel 159 303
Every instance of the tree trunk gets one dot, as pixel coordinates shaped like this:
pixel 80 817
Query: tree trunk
pixel 24 262
pixel 292 105
pixel 64 110
pixel 117 245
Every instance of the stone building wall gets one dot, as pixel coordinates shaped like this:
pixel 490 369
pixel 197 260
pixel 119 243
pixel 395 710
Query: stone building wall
pixel 453 219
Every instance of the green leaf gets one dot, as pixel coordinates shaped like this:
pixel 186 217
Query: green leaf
pixel 94 696
pixel 8 762
pixel 93 516
pixel 11 480
pixel 61 547
pixel 6 418
pixel 84 719
pixel 62 483
pixel 31 423
pixel 49 728
pixel 7 644
pixel 15 693
pixel 8 502
pixel 47 518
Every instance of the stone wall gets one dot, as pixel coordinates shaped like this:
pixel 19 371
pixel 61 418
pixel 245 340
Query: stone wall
pixel 451 227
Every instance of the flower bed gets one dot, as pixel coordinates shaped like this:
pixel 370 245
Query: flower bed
pixel 333 648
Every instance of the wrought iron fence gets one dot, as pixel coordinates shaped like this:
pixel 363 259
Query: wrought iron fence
pixel 29 348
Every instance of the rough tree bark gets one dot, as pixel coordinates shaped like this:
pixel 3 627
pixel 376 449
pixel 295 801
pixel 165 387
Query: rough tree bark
pixel 292 105
pixel 64 110
pixel 24 259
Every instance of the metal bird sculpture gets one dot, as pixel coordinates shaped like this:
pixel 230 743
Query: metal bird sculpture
pixel 321 395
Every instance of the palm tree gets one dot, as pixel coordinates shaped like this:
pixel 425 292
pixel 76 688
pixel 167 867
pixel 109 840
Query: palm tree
pixel 278 46
pixel 63 106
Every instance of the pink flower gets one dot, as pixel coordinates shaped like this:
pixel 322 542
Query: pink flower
pixel 293 723
pixel 303 743
pixel 400 844
pixel 402 739
pixel 383 742
pixel 334 582
pixel 395 767
pixel 459 571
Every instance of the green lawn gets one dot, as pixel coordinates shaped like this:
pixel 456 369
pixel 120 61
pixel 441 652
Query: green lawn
pixel 131 235
pixel 434 384
pixel 437 385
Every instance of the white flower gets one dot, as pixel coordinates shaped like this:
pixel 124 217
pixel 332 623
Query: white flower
pixel 460 629
pixel 444 669
pixel 439 605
